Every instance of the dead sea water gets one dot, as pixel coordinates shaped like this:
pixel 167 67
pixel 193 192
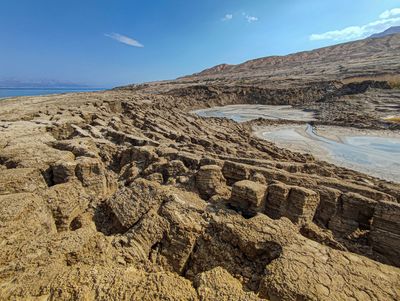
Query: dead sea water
pixel 373 154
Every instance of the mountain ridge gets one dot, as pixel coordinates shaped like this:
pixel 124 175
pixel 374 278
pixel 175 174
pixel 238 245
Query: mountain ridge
pixel 342 53
pixel 389 31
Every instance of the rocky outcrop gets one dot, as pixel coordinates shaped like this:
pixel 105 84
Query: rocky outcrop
pixel 277 197
pixel 67 201
pixel 248 197
pixel 355 212
pixel 131 203
pixel 300 205
pixel 21 180
pixel 210 181
pixel 385 231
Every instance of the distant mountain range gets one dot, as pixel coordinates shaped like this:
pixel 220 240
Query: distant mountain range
pixel 389 31
pixel 43 84
pixel 365 58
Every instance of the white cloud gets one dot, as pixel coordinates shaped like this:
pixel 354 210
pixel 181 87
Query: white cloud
pixel 249 18
pixel 390 13
pixel 124 39
pixel 227 17
pixel 386 20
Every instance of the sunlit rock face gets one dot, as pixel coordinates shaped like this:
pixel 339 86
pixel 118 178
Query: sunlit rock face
pixel 127 195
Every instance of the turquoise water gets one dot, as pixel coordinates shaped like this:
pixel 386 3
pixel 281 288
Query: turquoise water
pixel 6 92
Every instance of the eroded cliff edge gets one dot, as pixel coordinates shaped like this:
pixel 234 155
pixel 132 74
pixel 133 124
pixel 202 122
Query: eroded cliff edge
pixel 123 195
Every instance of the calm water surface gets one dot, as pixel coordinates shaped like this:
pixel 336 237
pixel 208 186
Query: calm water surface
pixel 378 156
pixel 6 92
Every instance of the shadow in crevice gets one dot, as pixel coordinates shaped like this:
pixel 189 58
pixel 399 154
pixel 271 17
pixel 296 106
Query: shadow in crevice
pixel 220 247
pixel 247 214
pixel 106 221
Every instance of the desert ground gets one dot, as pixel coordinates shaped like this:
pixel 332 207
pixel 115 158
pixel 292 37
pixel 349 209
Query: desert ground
pixel 127 195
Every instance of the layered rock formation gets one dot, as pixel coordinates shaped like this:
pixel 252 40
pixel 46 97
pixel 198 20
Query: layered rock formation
pixel 124 195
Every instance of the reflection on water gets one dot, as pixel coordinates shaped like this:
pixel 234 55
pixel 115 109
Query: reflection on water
pixel 378 143
pixel 378 156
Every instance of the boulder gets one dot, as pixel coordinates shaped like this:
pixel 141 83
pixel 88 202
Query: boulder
pixel 355 212
pixel 329 198
pixel 185 227
pixel 63 171
pixel 175 168
pixel 67 201
pixel 91 172
pixel 300 205
pixel 385 231
pixel 129 204
pixel 210 181
pixel 277 195
pixel 140 155
pixel 235 171
pixel 248 196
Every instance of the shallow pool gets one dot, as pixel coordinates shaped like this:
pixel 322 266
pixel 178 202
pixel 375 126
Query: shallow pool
pixel 374 155
pixel 243 113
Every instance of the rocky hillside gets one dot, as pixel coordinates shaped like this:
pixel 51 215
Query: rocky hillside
pixel 364 58
pixel 389 31
pixel 369 59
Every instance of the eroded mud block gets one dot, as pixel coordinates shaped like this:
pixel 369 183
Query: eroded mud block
pixel 385 231
pixel 300 205
pixel 277 196
pixel 210 181
pixel 248 197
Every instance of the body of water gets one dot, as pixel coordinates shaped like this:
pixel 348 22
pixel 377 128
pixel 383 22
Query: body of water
pixel 366 152
pixel 243 113
pixel 14 92
pixel 377 156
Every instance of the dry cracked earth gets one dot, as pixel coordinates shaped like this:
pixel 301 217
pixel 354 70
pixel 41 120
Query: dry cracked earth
pixel 126 195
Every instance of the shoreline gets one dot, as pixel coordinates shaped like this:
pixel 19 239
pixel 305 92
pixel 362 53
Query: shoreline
pixel 24 92
pixel 335 145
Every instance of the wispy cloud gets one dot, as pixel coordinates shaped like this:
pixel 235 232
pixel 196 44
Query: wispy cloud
pixel 227 17
pixel 390 13
pixel 246 16
pixel 249 18
pixel 123 39
pixel 386 20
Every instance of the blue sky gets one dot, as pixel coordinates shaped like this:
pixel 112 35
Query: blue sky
pixel 109 43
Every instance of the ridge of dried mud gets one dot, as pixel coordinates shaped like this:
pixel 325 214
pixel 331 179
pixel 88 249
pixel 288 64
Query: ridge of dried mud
pixel 125 195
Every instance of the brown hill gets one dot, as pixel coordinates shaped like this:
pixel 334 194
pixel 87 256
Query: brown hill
pixel 365 58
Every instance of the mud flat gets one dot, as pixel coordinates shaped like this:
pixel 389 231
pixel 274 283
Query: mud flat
pixel 243 113
pixel 374 152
